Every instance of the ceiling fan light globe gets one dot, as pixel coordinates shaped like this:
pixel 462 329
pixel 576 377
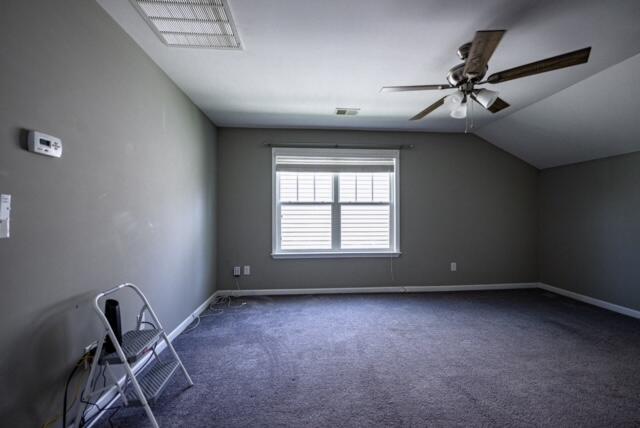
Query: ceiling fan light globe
pixel 459 112
pixel 486 98
pixel 454 100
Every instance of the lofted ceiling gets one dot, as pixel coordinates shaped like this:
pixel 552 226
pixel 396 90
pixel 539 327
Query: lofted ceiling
pixel 595 118
pixel 301 59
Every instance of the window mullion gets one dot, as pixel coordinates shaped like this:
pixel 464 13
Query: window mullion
pixel 392 213
pixel 355 180
pixel 335 214
pixel 371 187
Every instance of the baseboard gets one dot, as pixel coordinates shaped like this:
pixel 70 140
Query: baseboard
pixel 351 290
pixel 591 300
pixel 109 398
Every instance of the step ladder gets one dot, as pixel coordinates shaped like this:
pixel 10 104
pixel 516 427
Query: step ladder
pixel 143 386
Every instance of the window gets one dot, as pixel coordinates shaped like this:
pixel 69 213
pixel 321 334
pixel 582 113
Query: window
pixel 337 202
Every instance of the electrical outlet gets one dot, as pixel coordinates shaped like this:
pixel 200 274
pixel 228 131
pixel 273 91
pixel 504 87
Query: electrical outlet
pixel 236 271
pixel 454 266
pixel 246 270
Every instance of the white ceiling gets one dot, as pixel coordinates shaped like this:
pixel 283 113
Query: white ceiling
pixel 303 58
pixel 595 118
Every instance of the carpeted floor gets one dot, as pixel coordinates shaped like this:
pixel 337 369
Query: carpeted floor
pixel 491 358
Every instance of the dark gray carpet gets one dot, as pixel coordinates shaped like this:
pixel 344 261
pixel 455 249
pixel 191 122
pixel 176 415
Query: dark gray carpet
pixel 503 358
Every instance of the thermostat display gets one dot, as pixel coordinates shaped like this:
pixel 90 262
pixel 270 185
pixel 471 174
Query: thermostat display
pixel 44 144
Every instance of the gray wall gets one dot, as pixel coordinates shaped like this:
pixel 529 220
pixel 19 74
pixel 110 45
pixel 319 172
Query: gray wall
pixel 131 199
pixel 590 228
pixel 462 200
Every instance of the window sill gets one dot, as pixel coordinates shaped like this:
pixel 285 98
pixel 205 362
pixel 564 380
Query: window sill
pixel 334 255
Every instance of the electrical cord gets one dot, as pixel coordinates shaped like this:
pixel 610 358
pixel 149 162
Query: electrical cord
pixel 101 409
pixel 150 323
pixel 84 422
pixel 80 362
pixel 66 391
pixel 215 309
pixel 194 327
pixel 104 377
pixel 112 415
pixel 228 302
pixel 59 415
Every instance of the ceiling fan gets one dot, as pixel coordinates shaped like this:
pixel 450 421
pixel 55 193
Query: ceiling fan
pixel 464 77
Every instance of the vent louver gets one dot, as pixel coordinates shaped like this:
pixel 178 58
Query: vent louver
pixel 191 23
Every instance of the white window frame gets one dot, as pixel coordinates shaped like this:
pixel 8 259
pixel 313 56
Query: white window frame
pixel 394 205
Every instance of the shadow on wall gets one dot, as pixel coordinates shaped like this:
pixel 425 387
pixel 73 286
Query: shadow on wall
pixel 49 342
pixel 22 138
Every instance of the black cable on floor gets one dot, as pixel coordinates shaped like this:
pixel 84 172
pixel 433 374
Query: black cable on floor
pixel 66 393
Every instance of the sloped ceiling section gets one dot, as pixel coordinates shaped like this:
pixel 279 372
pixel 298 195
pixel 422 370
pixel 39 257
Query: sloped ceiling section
pixel 302 58
pixel 595 118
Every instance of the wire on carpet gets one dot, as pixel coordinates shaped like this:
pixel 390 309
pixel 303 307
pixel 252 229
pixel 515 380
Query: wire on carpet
pixel 217 307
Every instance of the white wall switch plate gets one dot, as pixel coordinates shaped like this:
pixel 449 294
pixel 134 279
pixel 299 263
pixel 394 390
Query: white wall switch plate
pixel 236 271
pixel 5 215
pixel 454 266
pixel 247 270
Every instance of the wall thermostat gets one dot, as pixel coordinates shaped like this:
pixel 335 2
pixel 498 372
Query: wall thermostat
pixel 44 144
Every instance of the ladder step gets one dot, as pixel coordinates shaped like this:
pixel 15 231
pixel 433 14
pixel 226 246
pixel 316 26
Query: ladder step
pixel 134 342
pixel 152 382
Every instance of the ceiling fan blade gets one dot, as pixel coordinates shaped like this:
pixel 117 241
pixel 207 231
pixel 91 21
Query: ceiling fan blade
pixel 482 47
pixel 498 104
pixel 554 63
pixel 414 88
pixel 428 110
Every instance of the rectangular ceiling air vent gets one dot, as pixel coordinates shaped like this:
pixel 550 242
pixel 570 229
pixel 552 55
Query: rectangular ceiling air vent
pixel 191 23
pixel 347 111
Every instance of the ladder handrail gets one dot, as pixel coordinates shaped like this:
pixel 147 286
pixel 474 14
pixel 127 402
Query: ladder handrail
pixel 142 297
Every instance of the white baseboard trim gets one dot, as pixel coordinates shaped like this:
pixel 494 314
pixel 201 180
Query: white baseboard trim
pixel 350 290
pixel 433 288
pixel 109 398
pixel 591 300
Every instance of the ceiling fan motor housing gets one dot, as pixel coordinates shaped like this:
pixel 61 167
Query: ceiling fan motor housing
pixel 463 51
pixel 455 76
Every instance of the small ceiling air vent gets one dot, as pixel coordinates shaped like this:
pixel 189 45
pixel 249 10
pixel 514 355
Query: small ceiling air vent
pixel 191 23
pixel 347 111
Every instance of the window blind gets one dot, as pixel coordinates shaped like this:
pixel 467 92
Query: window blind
pixel 364 226
pixel 306 227
pixel 334 164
